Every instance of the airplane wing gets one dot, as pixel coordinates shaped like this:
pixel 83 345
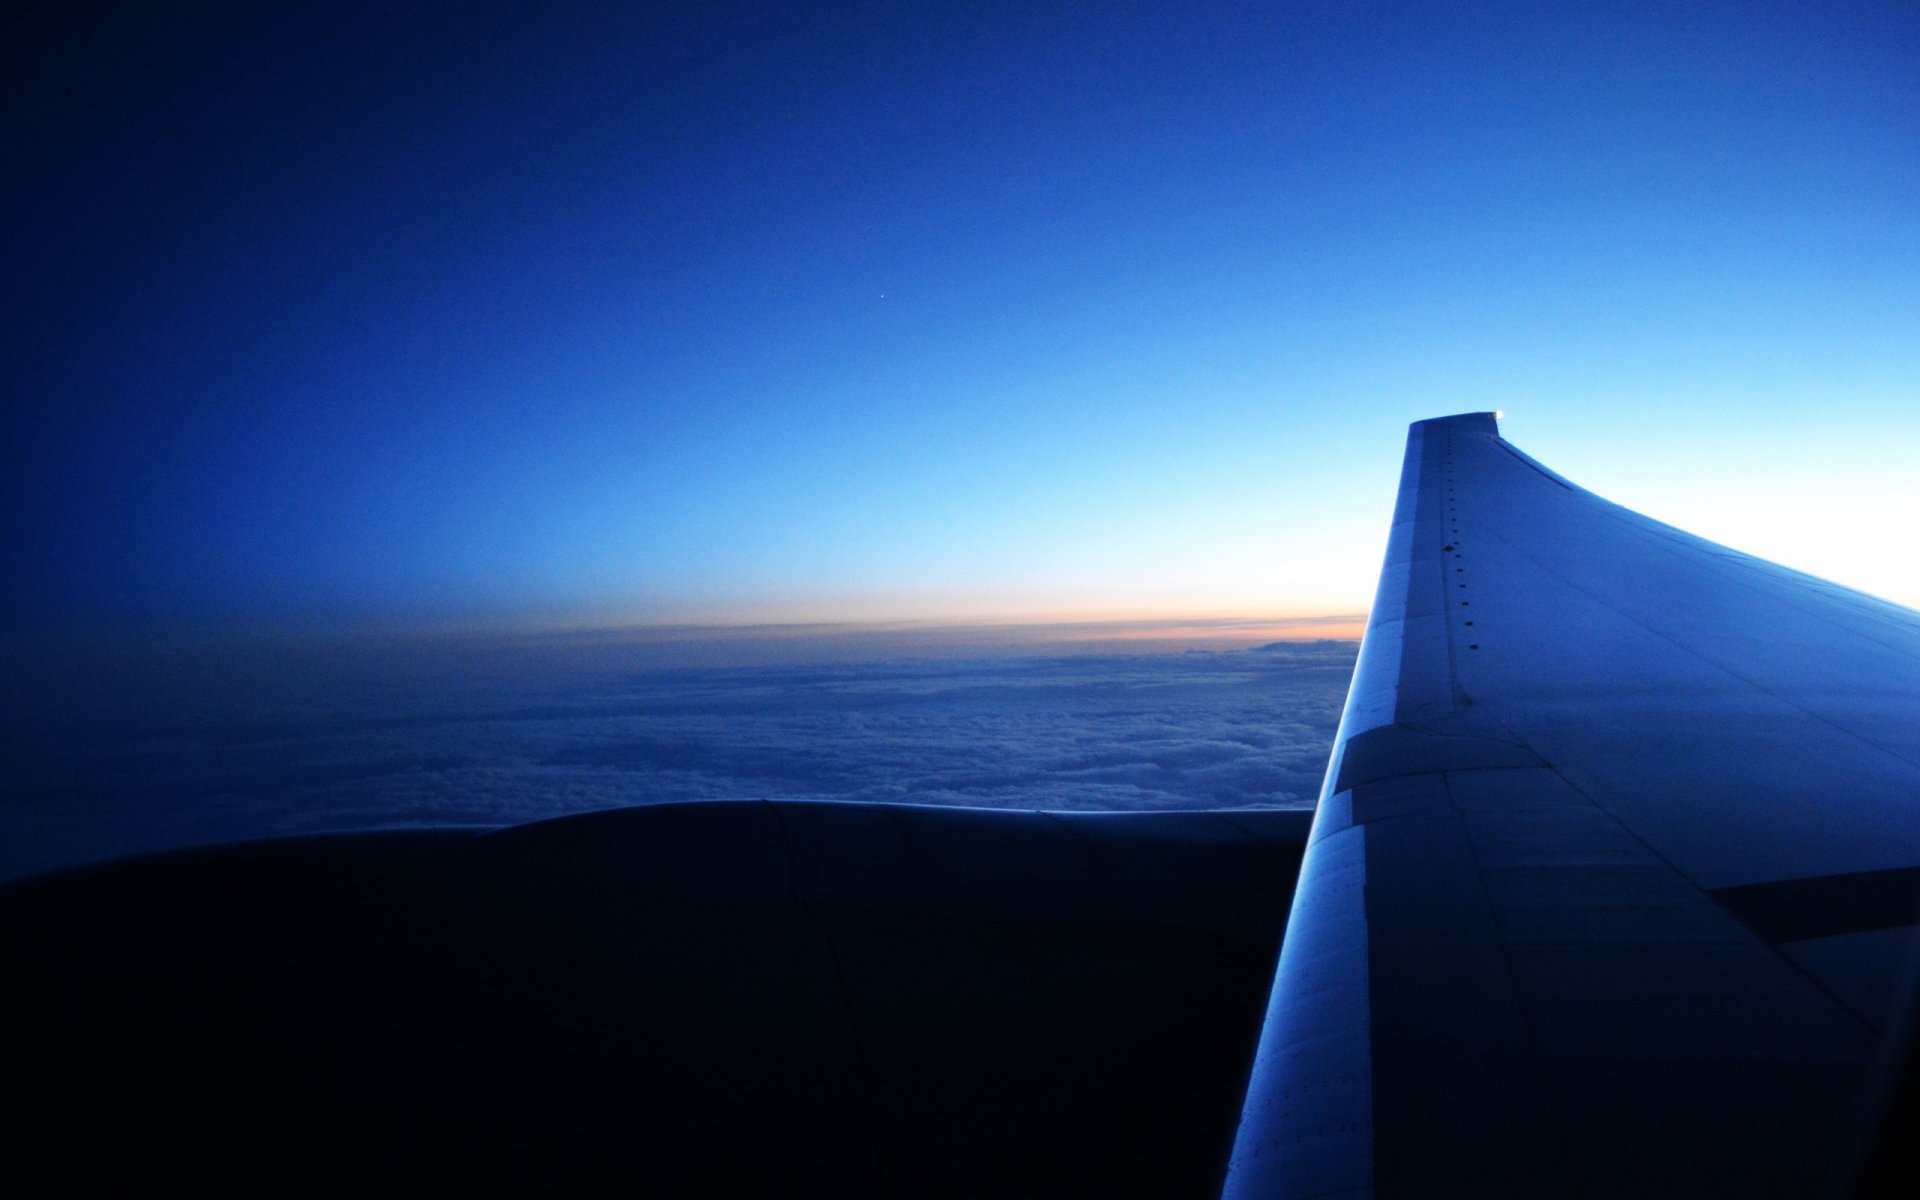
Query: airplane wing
pixel 1613 882
pixel 715 999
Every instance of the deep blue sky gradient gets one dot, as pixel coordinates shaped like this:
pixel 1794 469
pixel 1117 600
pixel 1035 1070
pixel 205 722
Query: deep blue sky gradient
pixel 416 314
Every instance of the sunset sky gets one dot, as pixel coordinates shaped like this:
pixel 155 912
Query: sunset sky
pixel 459 315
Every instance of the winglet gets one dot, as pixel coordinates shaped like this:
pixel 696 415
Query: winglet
pixel 1473 422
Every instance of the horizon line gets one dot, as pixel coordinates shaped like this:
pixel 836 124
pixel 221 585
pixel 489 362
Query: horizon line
pixel 743 640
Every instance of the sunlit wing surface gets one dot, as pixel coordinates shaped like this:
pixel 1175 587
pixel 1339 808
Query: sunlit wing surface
pixel 1615 870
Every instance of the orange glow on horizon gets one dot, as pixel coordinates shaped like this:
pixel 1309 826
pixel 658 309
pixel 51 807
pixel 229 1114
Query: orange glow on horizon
pixel 1003 634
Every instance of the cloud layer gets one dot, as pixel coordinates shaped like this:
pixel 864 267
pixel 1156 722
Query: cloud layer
pixel 1106 731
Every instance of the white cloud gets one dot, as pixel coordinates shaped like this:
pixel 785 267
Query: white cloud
pixel 1206 729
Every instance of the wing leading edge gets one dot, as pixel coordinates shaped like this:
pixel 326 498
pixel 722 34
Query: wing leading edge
pixel 1616 865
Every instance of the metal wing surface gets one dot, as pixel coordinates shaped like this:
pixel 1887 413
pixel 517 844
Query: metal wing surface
pixel 1615 870
pixel 712 999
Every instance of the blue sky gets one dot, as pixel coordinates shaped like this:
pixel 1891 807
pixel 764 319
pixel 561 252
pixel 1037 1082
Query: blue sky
pixel 478 315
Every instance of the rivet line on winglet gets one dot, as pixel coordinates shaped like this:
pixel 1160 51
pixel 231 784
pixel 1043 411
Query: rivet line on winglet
pixel 1453 547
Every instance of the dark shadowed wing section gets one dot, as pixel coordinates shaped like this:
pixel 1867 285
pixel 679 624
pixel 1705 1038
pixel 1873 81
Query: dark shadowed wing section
pixel 1614 879
pixel 697 999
